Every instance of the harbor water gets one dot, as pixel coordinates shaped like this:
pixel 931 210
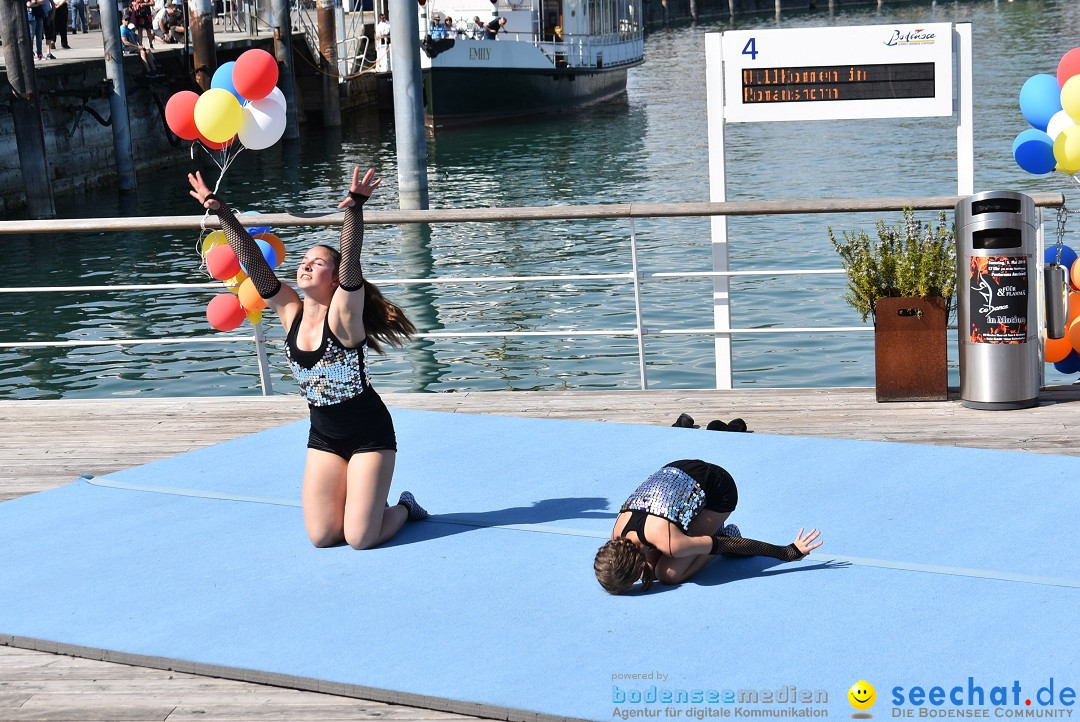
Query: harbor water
pixel 649 146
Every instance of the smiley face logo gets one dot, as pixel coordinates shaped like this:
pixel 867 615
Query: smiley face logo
pixel 862 695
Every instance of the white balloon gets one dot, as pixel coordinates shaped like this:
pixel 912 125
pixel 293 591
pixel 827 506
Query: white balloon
pixel 263 124
pixel 277 96
pixel 1059 122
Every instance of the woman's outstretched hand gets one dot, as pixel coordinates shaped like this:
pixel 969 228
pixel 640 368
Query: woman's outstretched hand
pixel 363 187
pixel 805 542
pixel 199 191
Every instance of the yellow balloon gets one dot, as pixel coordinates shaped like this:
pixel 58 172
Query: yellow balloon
pixel 216 238
pixel 254 317
pixel 232 285
pixel 1067 150
pixel 218 115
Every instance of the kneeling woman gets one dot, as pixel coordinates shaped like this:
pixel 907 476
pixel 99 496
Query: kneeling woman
pixel 673 525
pixel 351 446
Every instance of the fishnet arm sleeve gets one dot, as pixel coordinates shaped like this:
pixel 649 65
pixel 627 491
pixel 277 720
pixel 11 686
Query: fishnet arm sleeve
pixel 350 274
pixel 266 283
pixel 741 547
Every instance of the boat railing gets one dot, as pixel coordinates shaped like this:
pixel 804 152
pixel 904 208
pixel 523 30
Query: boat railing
pixel 632 278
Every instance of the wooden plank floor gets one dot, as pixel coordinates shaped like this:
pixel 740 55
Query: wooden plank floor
pixel 45 444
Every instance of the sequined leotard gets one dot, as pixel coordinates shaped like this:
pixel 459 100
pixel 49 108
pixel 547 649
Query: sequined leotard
pixel 679 491
pixel 347 416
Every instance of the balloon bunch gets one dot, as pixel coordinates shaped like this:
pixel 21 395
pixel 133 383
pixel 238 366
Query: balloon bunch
pixel 226 311
pixel 1064 352
pixel 1052 106
pixel 243 104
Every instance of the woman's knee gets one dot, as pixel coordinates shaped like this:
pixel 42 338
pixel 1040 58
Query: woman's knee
pixel 670 572
pixel 362 537
pixel 323 538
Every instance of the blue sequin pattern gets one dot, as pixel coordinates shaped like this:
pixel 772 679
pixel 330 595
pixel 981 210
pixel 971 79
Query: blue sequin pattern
pixel 338 376
pixel 669 493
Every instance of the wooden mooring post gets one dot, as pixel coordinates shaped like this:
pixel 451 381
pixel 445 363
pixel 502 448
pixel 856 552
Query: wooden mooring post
pixel 202 41
pixel 327 18
pixel 26 111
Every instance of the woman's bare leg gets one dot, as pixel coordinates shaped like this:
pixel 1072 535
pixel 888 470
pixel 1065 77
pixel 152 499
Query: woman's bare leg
pixel 323 497
pixel 367 522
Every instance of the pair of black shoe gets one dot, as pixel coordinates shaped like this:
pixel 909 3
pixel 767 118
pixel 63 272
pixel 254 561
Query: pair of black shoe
pixel 685 421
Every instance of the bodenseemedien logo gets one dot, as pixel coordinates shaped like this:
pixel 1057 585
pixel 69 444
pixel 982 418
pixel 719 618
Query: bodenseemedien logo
pixel 862 696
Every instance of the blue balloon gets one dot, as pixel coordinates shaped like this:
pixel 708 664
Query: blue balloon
pixel 268 253
pixel 1033 151
pixel 1068 256
pixel 256 230
pixel 223 79
pixel 1040 98
pixel 1070 364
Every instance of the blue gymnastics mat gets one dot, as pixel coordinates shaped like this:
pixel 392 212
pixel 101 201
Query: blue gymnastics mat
pixel 942 567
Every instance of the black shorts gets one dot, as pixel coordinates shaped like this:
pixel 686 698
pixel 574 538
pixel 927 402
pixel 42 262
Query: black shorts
pixel 721 494
pixel 352 427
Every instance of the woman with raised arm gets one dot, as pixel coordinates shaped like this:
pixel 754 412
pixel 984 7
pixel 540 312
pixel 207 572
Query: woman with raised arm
pixel 351 445
pixel 673 525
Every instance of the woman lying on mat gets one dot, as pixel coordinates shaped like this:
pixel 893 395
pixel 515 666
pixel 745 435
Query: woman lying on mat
pixel 673 525
pixel 351 445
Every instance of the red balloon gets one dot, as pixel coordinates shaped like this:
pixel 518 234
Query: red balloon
pixel 180 114
pixel 222 263
pixel 224 312
pixel 213 145
pixel 255 74
pixel 1069 66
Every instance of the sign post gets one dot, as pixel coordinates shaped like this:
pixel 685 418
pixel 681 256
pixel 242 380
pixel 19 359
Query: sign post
pixel 861 72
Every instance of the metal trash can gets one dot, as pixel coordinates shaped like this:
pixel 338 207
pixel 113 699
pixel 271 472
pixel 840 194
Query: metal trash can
pixel 997 301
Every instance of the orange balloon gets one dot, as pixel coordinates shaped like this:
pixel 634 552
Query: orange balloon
pixel 249 297
pixel 276 243
pixel 1074 276
pixel 1072 332
pixel 1074 306
pixel 1057 349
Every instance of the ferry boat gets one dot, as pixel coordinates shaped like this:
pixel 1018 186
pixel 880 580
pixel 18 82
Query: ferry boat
pixel 549 56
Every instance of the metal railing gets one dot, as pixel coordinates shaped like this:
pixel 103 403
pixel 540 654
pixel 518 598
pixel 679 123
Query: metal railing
pixel 634 277
pixel 352 43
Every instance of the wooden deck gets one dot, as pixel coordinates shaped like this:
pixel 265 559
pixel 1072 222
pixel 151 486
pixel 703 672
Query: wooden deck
pixel 45 444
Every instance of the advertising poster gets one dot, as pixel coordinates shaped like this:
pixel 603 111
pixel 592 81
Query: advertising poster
pixel 998 288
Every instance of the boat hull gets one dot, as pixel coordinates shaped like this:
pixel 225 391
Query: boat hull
pixel 455 97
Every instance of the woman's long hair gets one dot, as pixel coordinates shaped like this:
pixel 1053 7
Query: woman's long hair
pixel 619 564
pixel 384 322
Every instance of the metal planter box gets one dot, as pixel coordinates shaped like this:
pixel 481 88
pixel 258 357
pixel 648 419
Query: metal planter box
pixel 910 349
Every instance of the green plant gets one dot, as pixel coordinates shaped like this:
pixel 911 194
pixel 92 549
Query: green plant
pixel 908 259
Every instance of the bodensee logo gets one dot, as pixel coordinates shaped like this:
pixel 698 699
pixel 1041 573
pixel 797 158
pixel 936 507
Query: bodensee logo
pixel 912 37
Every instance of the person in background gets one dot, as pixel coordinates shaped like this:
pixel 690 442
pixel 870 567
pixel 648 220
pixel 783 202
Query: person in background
pixel 78 16
pixel 143 16
pixel 437 31
pixel 36 9
pixel 491 30
pixel 382 30
pixel 132 46
pixel 60 21
pixel 451 31
pixel 478 29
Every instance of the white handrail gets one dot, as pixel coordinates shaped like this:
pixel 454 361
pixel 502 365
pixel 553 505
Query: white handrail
pixel 634 277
